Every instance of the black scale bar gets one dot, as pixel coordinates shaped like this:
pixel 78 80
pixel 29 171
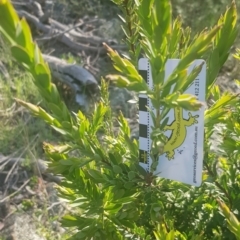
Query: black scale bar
pixel 143 156
pixel 143 128
pixel 143 73
pixel 142 104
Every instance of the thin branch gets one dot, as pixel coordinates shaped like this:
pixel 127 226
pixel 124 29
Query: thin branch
pixel 14 193
pixel 59 34
pixel 129 24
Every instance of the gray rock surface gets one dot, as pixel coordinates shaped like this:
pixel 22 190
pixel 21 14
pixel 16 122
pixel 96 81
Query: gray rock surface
pixel 119 98
pixel 21 227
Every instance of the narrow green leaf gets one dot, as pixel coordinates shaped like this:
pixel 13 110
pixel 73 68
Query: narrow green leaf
pixel 190 78
pixel 42 76
pixel 8 19
pixel 96 175
pixel 21 55
pixel 66 125
pixel 117 169
pixel 213 68
pixel 128 185
pixel 55 110
pixel 33 108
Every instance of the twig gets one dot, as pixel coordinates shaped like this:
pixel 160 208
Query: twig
pixel 14 193
pixel 67 39
pixel 10 109
pixel 5 160
pixel 25 149
pixel 54 204
pixel 58 34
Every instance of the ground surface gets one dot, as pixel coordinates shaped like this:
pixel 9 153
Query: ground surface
pixel 28 201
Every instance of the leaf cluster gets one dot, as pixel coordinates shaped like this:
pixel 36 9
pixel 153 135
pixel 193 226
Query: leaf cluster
pixel 111 196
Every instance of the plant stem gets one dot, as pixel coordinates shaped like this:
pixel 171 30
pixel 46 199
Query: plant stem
pixel 129 24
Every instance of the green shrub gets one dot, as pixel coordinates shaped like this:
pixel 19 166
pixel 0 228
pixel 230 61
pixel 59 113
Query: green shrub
pixel 111 195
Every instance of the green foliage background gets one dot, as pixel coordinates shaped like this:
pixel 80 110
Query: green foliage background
pixel 112 197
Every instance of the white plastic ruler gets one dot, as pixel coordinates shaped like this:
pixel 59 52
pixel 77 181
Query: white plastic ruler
pixel 182 159
pixel 145 120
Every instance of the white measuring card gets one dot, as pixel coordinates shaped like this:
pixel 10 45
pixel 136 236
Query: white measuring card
pixel 182 159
